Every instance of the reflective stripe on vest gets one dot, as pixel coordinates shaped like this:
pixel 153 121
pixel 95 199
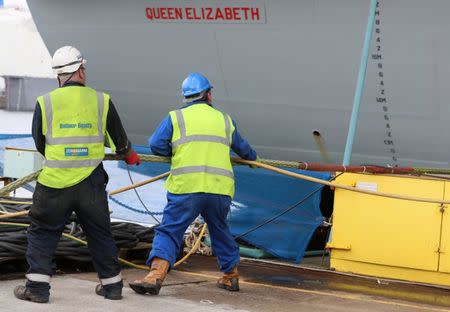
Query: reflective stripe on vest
pixel 74 126
pixel 184 138
pixel 200 169
pixel 201 142
pixel 50 140
pixel 198 137
pixel 73 163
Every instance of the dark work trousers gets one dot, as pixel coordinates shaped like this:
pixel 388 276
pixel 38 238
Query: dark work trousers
pixel 49 214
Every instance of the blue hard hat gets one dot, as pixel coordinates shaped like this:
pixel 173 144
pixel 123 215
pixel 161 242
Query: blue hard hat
pixel 194 83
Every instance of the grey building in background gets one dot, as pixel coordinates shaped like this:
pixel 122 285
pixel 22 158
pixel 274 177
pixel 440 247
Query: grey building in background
pixel 25 62
pixel 21 92
pixel 2 99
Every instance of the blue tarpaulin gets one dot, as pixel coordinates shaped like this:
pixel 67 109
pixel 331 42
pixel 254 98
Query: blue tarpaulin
pixel 262 194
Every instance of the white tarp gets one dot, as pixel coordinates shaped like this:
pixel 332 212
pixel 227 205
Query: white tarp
pixel 22 53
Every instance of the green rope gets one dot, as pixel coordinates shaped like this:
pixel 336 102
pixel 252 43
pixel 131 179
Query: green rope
pixel 160 159
pixel 271 162
pixel 146 158
pixel 154 158
pixel 431 171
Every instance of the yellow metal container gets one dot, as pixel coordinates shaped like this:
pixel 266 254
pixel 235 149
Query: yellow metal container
pixel 392 238
pixel 444 249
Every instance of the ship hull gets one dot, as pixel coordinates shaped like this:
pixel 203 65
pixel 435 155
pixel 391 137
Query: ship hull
pixel 287 78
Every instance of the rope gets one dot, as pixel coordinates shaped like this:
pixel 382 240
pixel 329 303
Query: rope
pixel 14 214
pixel 194 248
pixel 261 164
pixel 341 186
pixel 298 165
pixel 18 183
pixel 193 236
pixel 136 185
pixel 82 242
pixel 266 164
pixel 308 166
pixel 15 202
pixel 431 171
pixel 121 260
pixel 235 160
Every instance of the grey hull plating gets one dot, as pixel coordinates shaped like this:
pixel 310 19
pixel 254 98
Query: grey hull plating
pixel 281 79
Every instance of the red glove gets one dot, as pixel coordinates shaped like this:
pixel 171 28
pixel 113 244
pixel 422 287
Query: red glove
pixel 132 158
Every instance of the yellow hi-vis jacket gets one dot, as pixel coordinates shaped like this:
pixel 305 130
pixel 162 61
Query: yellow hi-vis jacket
pixel 74 126
pixel 201 143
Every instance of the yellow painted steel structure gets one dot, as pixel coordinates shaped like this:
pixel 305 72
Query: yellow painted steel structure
pixel 392 238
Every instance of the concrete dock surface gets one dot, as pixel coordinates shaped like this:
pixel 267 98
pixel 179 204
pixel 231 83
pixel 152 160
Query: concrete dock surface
pixel 264 287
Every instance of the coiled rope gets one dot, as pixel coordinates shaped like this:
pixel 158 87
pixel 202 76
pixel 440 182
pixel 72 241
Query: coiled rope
pixel 81 241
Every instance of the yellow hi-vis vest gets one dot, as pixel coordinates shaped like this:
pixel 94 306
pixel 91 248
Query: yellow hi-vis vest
pixel 201 143
pixel 74 126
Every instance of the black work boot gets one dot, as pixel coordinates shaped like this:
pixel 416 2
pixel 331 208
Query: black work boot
pixel 24 293
pixel 111 291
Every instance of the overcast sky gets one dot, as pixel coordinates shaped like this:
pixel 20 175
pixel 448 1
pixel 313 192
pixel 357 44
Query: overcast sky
pixel 16 3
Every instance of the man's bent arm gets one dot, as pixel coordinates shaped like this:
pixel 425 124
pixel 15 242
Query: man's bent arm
pixel 240 145
pixel 160 141
pixel 36 130
pixel 116 131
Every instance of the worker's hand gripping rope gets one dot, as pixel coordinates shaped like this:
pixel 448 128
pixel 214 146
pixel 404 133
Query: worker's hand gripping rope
pixel 256 160
pixel 132 158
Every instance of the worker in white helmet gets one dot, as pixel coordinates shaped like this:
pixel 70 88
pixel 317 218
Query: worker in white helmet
pixel 70 127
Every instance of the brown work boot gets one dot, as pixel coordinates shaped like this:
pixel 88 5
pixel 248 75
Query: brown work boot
pixel 229 281
pixel 153 281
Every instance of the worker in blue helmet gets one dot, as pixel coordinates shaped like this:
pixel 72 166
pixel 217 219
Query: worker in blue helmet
pixel 194 84
pixel 199 139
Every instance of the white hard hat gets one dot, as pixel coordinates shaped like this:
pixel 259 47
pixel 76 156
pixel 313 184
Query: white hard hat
pixel 67 60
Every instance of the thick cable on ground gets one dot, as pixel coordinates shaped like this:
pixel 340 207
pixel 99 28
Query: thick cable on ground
pixel 13 239
pixel 121 260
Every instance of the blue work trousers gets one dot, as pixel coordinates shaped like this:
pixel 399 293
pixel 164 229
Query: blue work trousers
pixel 180 212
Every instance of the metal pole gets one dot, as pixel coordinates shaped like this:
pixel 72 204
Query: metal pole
pixel 360 84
